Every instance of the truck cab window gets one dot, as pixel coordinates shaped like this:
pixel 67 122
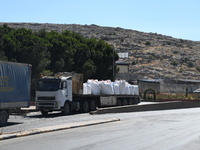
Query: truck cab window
pixel 48 85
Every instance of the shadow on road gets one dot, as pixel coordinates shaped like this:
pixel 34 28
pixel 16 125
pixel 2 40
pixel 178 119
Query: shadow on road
pixel 50 115
pixel 13 123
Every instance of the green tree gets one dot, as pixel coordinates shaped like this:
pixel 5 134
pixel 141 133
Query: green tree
pixel 52 52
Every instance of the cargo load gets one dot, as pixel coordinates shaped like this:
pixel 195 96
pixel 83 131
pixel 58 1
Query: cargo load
pixel 95 88
pixel 106 87
pixel 86 88
pixel 116 88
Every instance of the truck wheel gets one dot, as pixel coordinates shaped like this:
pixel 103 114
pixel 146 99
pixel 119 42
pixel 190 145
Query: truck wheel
pixel 3 118
pixel 44 113
pixel 136 100
pixel 66 109
pixel 130 102
pixel 85 107
pixel 124 102
pixel 93 105
pixel 119 102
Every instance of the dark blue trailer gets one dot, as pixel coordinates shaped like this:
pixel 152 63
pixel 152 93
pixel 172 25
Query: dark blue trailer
pixel 15 82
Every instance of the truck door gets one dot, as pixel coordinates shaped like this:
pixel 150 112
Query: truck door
pixel 69 89
pixel 64 88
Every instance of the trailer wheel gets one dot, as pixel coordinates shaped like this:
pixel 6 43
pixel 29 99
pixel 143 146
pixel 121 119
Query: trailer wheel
pixel 137 100
pixel 66 109
pixel 130 102
pixel 119 102
pixel 124 102
pixel 85 107
pixel 92 105
pixel 3 118
pixel 44 113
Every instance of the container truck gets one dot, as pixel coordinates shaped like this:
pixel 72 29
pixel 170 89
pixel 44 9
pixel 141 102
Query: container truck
pixel 64 92
pixel 15 79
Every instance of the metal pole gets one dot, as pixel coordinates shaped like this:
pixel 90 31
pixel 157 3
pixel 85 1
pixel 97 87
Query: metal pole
pixel 113 65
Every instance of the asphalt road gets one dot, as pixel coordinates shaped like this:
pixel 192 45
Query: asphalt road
pixel 153 130
pixel 19 123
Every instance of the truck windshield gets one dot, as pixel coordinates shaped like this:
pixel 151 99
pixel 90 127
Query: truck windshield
pixel 48 85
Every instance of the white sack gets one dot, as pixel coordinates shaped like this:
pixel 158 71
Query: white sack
pixel 95 89
pixel 86 88
pixel 116 88
pixel 121 84
pixel 106 87
pixel 136 90
pixel 89 89
pixel 127 88
pixel 131 89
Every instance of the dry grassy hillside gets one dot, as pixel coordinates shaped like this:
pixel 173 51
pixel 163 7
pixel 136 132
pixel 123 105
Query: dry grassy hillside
pixel 151 55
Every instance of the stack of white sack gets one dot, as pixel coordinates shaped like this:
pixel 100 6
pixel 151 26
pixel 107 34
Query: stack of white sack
pixel 126 88
pixel 119 87
pixel 106 87
pixel 86 88
pixel 134 90
pixel 95 88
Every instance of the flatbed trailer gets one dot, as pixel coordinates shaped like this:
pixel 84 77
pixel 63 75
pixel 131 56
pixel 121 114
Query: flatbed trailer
pixel 109 100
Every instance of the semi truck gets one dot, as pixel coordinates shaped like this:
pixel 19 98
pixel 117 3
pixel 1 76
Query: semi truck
pixel 15 81
pixel 64 92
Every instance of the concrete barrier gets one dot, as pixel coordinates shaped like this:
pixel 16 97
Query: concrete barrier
pixel 149 107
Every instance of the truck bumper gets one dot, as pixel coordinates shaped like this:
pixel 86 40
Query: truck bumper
pixel 43 105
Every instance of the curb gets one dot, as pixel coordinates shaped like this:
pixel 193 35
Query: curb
pixel 55 128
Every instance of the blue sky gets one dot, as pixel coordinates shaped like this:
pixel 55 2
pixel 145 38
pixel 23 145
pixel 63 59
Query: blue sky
pixel 176 18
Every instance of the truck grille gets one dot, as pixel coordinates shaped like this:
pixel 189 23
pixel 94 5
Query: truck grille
pixel 46 98
pixel 47 105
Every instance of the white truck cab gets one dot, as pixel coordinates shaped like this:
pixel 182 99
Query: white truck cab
pixel 52 93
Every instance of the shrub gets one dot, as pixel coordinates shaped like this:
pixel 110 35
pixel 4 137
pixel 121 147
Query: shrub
pixel 175 52
pixel 190 64
pixel 181 70
pixel 148 43
pixel 174 63
pixel 198 68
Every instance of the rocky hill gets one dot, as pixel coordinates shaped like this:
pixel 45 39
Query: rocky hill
pixel 151 55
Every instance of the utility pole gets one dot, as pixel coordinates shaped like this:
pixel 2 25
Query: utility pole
pixel 113 65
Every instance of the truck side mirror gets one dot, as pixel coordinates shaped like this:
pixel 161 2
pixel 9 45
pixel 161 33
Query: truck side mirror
pixel 63 85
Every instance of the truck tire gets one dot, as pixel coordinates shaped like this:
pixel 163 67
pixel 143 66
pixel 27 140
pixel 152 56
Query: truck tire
pixel 67 109
pixel 93 105
pixel 130 101
pixel 119 102
pixel 44 113
pixel 3 118
pixel 124 102
pixel 137 100
pixel 85 107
